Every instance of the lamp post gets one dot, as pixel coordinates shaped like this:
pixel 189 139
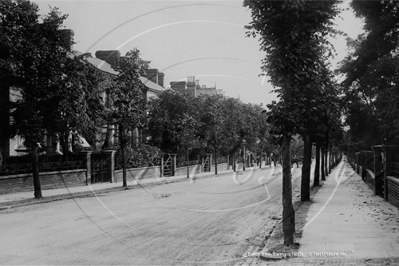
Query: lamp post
pixel 243 167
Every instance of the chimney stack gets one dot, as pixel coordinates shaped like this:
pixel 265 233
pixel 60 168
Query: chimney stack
pixel 152 74
pixel 110 56
pixel 161 77
pixel 178 85
pixel 67 38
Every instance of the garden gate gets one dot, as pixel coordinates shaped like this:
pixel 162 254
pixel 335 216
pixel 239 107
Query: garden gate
pixel 101 168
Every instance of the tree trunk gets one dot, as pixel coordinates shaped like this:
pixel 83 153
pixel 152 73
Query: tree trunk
pixel 326 154
pixel 323 173
pixel 35 172
pixel 288 209
pixel 143 135
pixel 66 136
pixel 73 142
pixel 64 145
pixel 188 163
pixel 307 161
pixel 122 146
pixel 326 162
pixel 316 182
pixel 234 162
pixel 216 163
pixel 244 160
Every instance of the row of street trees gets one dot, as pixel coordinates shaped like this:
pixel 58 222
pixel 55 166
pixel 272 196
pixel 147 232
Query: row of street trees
pixel 179 123
pixel 294 36
pixel 56 91
pixel 49 90
pixel 59 93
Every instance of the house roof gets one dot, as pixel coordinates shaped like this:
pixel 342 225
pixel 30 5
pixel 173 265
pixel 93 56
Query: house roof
pixel 152 86
pixel 104 66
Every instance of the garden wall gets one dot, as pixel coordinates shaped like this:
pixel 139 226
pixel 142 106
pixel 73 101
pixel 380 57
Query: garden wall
pixel 49 180
pixel 138 173
pixel 194 169
pixel 79 177
pixel 393 191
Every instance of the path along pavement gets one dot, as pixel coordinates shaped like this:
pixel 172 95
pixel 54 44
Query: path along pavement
pixel 26 198
pixel 347 225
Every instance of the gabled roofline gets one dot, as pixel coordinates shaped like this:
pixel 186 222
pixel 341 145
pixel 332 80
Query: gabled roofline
pixel 106 67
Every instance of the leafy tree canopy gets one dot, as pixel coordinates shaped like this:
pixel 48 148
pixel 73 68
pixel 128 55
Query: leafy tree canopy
pixel 125 94
pixel 294 36
pixel 371 72
pixel 173 121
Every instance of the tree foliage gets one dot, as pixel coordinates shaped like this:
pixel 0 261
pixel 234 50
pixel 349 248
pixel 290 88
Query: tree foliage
pixel 126 104
pixel 173 121
pixel 56 90
pixel 217 123
pixel 30 65
pixel 125 92
pixel 371 72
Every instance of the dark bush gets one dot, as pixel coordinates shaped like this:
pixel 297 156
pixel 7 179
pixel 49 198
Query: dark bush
pixel 141 156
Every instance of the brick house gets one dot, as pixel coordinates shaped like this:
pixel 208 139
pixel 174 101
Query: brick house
pixel 154 85
pixel 153 82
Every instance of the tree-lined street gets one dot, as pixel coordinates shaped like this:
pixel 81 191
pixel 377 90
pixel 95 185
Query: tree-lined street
pixel 69 119
pixel 208 220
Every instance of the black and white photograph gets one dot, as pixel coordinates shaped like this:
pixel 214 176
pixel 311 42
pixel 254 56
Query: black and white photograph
pixel 191 132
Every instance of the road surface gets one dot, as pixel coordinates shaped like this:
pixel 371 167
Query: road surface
pixel 211 220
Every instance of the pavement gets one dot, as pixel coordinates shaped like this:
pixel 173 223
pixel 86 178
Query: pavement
pixel 13 200
pixel 346 225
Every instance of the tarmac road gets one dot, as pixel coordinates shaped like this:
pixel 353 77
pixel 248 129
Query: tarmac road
pixel 205 221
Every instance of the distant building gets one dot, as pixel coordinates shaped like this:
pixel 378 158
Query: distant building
pixel 193 87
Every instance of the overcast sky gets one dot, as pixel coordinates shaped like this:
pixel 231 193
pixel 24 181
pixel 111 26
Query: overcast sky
pixel 205 39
